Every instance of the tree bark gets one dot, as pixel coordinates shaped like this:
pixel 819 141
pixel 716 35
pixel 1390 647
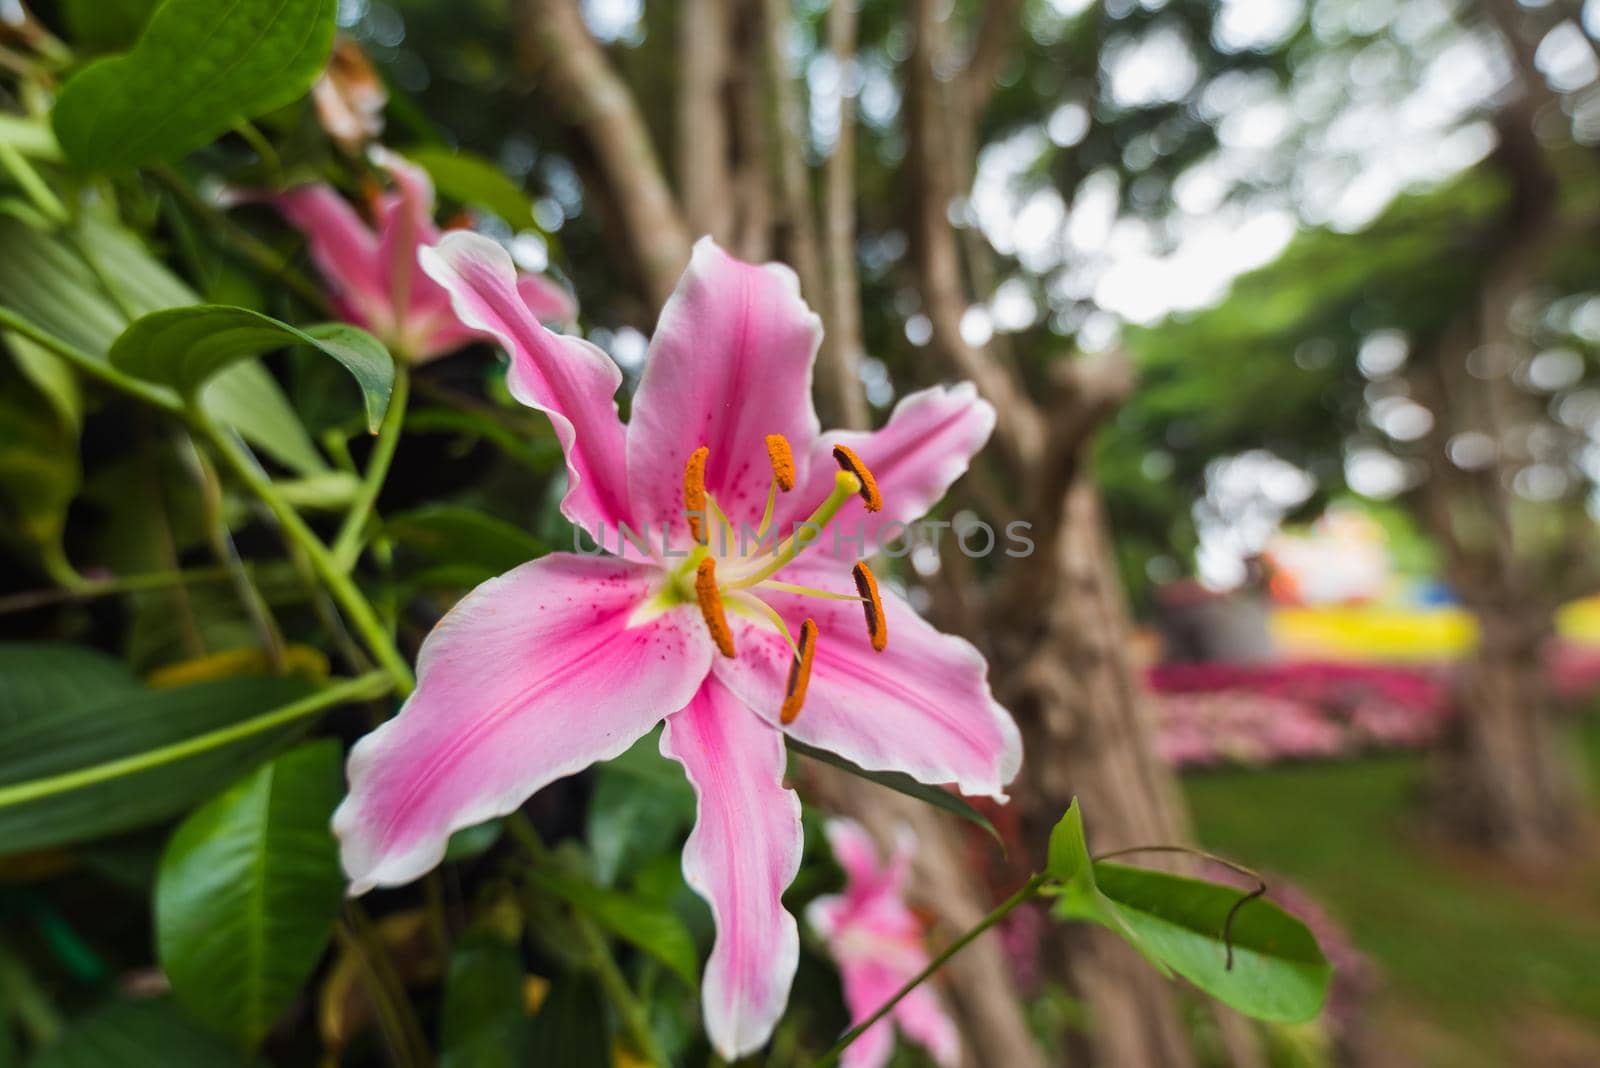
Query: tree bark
pixel 555 44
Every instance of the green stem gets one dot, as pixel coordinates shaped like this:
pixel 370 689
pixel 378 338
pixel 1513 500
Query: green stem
pixel 101 371
pixel 360 688
pixel 1028 890
pixel 347 545
pixel 34 186
pixel 635 1020
pixel 345 593
pixel 227 553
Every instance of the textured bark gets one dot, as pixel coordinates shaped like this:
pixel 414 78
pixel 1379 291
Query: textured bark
pixel 557 47
pixel 1087 735
pixel 1056 629
pixel 842 346
pixel 1503 782
pixel 704 184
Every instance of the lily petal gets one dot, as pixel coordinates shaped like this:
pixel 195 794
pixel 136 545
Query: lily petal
pixel 922 1019
pixel 922 706
pixel 855 851
pixel 744 850
pixel 730 363
pixel 867 985
pixel 535 675
pixel 345 251
pixel 565 377
pixel 930 438
pixel 549 302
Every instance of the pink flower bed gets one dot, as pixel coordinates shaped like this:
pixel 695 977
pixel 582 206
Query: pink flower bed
pixel 1235 713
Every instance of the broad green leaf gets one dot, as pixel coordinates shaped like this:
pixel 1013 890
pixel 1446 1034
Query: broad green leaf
pixel 125 1034
pixel 198 69
pixel 39 473
pixel 651 927
pixel 447 534
pixel 50 376
pixel 484 1023
pixel 641 805
pixel 1069 864
pixel 1068 860
pixel 106 25
pixel 473 841
pixel 905 784
pixel 1278 971
pixel 82 285
pixel 36 677
pixel 75 769
pixel 185 347
pixel 248 891
pixel 473 180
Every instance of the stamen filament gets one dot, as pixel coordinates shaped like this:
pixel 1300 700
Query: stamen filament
pixel 872 604
pixel 845 486
pixel 807 591
pixel 710 598
pixel 794 694
pixel 747 603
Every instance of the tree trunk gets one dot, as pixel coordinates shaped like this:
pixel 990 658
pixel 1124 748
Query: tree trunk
pixel 1503 781
pixel 1086 734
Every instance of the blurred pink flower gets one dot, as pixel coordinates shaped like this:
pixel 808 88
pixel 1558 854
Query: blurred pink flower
pixel 373 276
pixel 876 941
pixel 571 658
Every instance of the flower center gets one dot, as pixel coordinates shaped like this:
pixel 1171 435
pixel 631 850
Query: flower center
pixel 739 585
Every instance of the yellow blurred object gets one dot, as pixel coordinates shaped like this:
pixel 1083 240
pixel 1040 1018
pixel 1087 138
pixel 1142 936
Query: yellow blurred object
pixel 1374 632
pixel 621 1057
pixel 535 989
pixel 300 660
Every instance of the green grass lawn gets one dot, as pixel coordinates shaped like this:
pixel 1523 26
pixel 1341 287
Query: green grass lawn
pixel 1479 965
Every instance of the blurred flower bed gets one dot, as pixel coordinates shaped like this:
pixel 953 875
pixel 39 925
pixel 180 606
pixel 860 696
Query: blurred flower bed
pixel 1258 713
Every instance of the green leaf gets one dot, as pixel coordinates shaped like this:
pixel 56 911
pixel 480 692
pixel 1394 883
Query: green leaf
pixel 484 1023
pixel 248 891
pixel 82 285
pixel 128 1033
pixel 198 70
pixel 470 179
pixel 651 927
pixel 106 25
pixel 1068 859
pixel 36 677
pixel 905 784
pixel 1278 971
pixel 449 534
pixel 641 806
pixel 1069 864
pixel 473 841
pixel 39 473
pixel 78 768
pixel 185 347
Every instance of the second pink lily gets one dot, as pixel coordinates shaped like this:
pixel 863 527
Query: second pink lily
pixel 569 659
pixel 372 274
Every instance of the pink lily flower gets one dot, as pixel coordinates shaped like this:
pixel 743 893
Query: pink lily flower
pixel 876 941
pixel 569 659
pixel 372 275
